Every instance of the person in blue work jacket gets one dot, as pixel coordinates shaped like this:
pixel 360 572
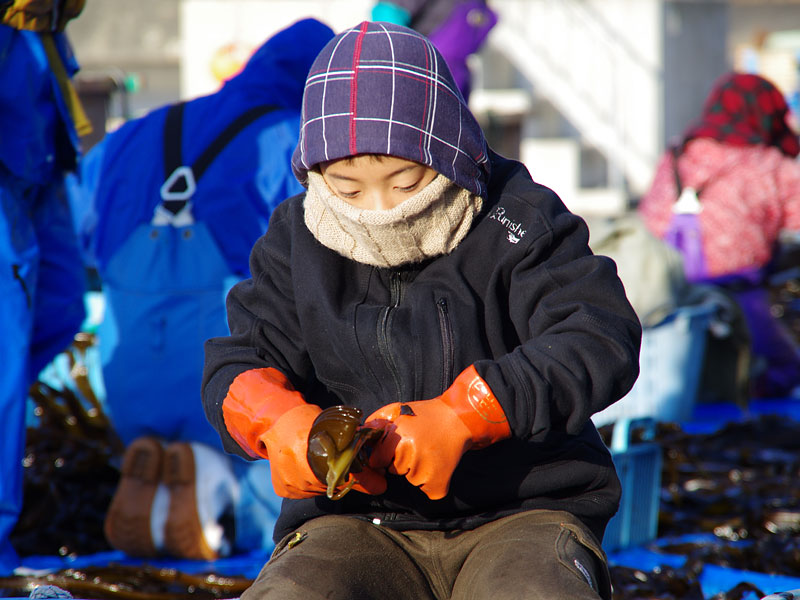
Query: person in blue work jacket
pixel 42 279
pixel 170 205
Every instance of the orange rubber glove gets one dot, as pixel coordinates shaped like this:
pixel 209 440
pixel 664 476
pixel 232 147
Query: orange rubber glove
pixel 268 418
pixel 426 439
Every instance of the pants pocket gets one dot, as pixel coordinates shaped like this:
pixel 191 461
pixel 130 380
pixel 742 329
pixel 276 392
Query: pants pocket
pixel 583 557
pixel 288 542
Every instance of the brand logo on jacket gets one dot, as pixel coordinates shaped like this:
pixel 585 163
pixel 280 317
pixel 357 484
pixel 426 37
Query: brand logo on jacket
pixel 515 230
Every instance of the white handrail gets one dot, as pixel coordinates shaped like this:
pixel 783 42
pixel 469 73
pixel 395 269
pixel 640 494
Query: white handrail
pixel 597 75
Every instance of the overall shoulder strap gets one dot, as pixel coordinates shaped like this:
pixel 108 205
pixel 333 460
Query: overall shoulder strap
pixel 675 151
pixel 688 198
pixel 179 183
pixel 226 136
pixel 181 180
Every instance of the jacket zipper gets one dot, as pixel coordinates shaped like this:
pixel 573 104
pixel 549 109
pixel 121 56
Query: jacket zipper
pixel 21 279
pixel 446 331
pixel 384 322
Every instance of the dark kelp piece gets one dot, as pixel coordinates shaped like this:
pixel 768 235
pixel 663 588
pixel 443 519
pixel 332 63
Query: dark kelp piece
pixel 335 443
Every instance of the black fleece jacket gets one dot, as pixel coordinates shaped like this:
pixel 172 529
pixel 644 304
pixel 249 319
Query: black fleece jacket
pixel 545 322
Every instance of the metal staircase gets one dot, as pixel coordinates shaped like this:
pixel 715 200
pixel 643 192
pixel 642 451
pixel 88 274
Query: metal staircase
pixel 600 69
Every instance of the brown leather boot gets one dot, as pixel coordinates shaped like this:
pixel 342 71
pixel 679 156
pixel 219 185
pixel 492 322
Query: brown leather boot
pixel 127 523
pixel 183 534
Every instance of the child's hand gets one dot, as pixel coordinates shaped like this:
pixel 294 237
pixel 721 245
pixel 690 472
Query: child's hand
pixel 268 418
pixel 426 439
pixel 286 445
pixel 369 481
pixel 424 443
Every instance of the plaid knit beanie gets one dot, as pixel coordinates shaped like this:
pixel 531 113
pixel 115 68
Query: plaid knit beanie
pixel 381 88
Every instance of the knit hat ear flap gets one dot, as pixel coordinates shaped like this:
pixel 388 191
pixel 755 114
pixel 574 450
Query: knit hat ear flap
pixel 380 88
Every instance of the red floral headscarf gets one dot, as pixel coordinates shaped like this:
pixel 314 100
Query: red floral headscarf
pixel 744 109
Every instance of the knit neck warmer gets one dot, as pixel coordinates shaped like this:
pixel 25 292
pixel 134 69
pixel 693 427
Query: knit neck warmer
pixel 430 223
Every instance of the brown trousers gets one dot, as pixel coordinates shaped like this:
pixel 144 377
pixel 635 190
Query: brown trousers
pixel 538 555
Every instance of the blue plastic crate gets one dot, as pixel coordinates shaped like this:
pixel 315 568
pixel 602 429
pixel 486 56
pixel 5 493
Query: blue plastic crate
pixel 639 468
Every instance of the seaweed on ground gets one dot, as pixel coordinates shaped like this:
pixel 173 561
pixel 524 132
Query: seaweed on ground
pixel 739 485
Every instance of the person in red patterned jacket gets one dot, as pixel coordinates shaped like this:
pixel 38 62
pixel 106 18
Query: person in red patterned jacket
pixel 738 181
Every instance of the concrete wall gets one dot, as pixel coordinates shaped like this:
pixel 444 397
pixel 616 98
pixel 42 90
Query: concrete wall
pixel 695 53
pixel 139 38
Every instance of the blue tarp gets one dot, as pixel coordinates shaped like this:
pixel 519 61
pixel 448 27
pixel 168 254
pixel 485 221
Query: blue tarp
pixel 246 564
pixel 713 579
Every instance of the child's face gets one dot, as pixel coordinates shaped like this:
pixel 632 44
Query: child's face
pixel 375 183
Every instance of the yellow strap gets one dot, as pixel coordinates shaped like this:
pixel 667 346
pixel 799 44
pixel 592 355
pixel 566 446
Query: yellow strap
pixel 82 124
pixel 20 20
pixel 33 17
pixel 37 15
